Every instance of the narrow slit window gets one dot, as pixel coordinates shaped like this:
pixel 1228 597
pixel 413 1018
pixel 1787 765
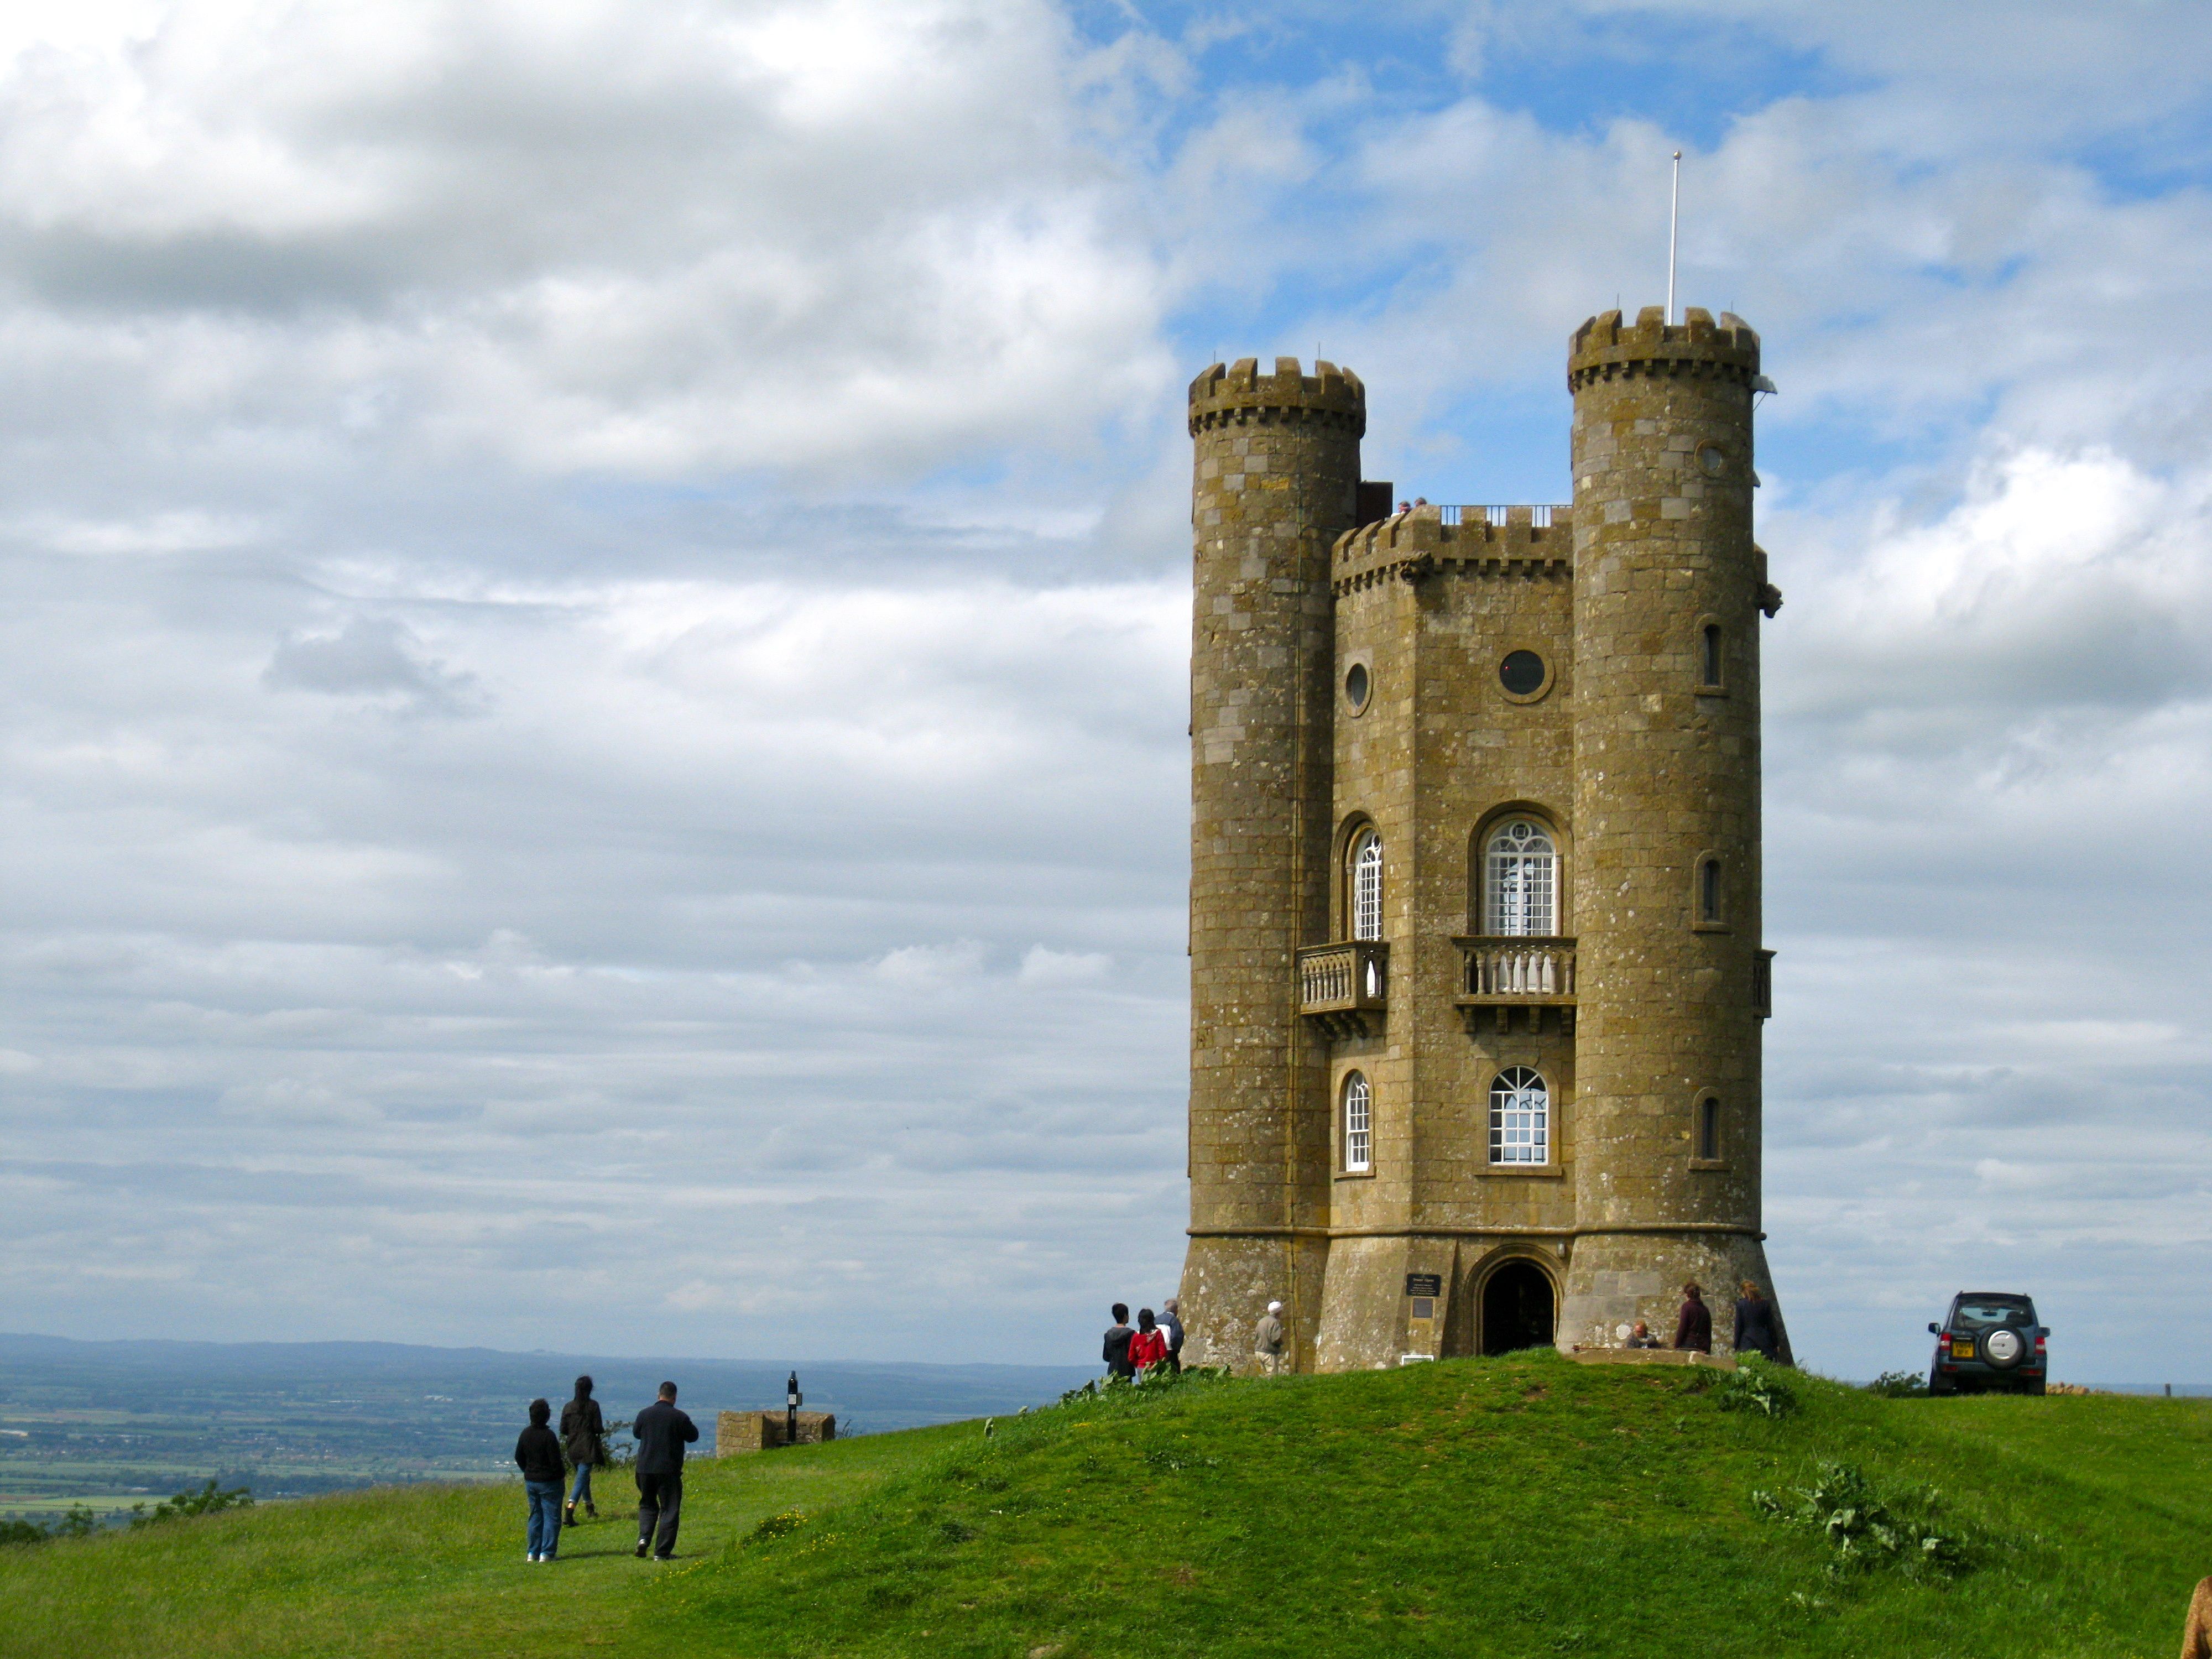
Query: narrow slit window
pixel 1358 1142
pixel 1708 891
pixel 1367 885
pixel 1708 1129
pixel 1524 881
pixel 1520 1117
pixel 1711 673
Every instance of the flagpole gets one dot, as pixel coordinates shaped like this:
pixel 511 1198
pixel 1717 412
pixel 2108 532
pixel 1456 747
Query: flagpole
pixel 1673 224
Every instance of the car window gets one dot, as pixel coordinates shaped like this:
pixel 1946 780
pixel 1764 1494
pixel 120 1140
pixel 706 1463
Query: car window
pixel 1984 1311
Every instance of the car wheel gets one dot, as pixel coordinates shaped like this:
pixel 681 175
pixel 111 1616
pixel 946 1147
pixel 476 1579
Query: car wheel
pixel 2003 1347
pixel 2032 1386
pixel 1936 1385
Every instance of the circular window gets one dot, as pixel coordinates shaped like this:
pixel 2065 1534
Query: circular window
pixel 1522 673
pixel 1712 460
pixel 1356 686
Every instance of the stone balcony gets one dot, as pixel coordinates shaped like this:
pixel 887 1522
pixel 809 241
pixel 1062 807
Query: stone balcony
pixel 1344 988
pixel 1499 973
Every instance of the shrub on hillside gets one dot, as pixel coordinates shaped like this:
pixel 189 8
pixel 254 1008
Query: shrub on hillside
pixel 1899 1385
pixel 1864 1529
pixel 207 1500
pixel 1755 1385
pixel 78 1522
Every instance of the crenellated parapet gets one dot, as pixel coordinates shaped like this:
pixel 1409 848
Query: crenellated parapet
pixel 1239 394
pixel 1510 541
pixel 1602 348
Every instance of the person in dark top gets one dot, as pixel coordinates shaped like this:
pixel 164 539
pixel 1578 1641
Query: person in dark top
pixel 1695 1329
pixel 1171 1322
pixel 1754 1323
pixel 537 1454
pixel 1117 1343
pixel 661 1432
pixel 583 1436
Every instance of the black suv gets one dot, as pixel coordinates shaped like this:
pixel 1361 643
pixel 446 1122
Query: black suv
pixel 1989 1339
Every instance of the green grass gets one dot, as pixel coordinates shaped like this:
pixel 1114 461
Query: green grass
pixel 1524 1506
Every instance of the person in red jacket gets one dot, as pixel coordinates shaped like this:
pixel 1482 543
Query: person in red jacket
pixel 1149 1346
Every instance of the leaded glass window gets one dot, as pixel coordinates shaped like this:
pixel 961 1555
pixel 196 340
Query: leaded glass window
pixel 1357 1142
pixel 1520 1117
pixel 1522 896
pixel 1367 886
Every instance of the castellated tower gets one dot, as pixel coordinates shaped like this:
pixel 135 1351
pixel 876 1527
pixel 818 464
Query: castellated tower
pixel 1476 973
pixel 1276 483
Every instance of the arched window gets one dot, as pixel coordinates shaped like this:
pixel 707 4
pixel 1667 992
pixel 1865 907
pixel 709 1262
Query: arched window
pixel 1367 885
pixel 1523 880
pixel 1709 1130
pixel 1520 1117
pixel 1358 1142
pixel 1710 669
pixel 1708 891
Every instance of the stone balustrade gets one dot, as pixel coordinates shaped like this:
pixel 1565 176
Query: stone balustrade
pixel 1344 987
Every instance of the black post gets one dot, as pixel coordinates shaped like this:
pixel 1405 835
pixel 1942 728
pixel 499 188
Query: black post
pixel 790 1399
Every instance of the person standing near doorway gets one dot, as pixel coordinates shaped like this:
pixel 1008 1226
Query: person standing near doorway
pixel 583 1436
pixel 661 1432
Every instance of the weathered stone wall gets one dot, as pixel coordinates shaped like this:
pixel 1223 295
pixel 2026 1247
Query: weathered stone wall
pixel 1667 771
pixel 1277 475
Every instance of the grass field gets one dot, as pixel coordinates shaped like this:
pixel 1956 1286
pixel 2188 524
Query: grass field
pixel 1520 1506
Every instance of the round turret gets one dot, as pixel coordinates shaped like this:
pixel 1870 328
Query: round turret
pixel 1276 481
pixel 1667 874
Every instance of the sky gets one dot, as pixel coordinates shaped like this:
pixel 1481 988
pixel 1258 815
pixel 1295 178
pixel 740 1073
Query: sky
pixel 595 662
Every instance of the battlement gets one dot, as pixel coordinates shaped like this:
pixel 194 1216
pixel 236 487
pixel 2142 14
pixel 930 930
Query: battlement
pixel 1603 349
pixel 1480 540
pixel 1239 392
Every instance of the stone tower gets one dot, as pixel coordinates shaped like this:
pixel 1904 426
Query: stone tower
pixel 1276 483
pixel 1475 959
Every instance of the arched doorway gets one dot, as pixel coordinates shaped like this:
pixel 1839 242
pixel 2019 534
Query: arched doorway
pixel 1517 1308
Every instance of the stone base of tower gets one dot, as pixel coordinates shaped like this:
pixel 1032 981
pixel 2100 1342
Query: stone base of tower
pixel 1614 1279
pixel 1227 1284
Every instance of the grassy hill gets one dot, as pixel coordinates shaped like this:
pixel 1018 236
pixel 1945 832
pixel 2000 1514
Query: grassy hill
pixel 1521 1506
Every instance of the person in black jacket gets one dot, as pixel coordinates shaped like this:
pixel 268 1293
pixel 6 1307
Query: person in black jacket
pixel 661 1432
pixel 537 1454
pixel 1118 1337
pixel 583 1436
pixel 1754 1323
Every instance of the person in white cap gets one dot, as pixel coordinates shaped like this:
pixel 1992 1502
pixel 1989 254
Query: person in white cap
pixel 1267 1340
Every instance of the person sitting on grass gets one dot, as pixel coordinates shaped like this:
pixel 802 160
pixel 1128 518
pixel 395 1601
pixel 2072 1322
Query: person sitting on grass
pixel 1149 1346
pixel 537 1454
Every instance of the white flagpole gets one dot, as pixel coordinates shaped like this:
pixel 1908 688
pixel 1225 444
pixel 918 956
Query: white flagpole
pixel 1673 224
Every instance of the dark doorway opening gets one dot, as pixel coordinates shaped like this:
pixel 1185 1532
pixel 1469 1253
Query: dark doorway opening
pixel 1517 1308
